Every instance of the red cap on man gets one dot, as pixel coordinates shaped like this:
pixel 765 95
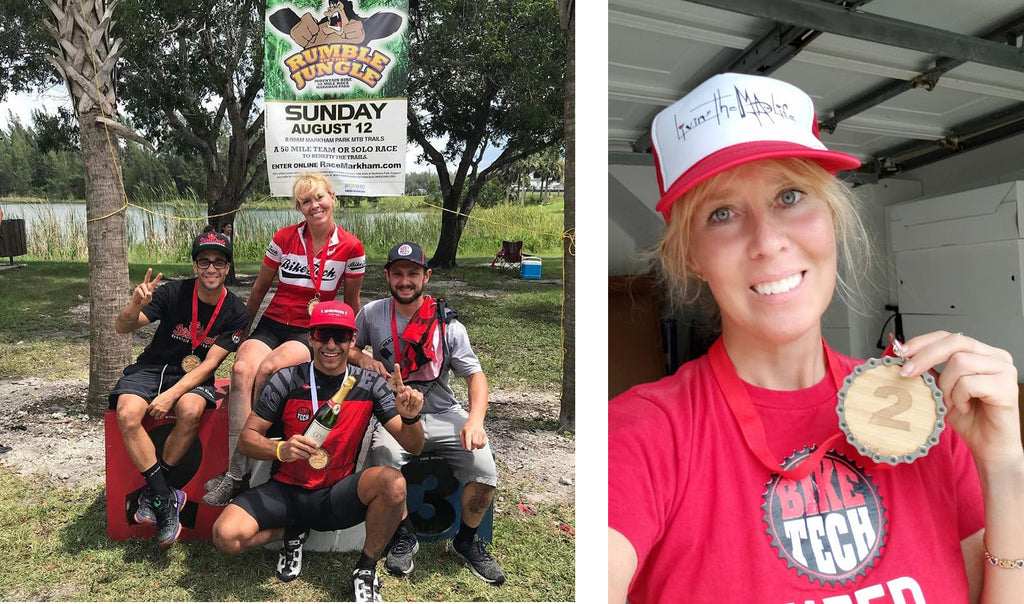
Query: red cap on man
pixel 333 314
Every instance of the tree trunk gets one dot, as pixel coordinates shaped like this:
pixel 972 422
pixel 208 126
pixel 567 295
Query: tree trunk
pixel 567 411
pixel 448 244
pixel 109 287
pixel 86 58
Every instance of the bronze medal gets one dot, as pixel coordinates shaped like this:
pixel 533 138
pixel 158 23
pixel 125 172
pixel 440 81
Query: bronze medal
pixel 190 362
pixel 319 459
pixel 312 304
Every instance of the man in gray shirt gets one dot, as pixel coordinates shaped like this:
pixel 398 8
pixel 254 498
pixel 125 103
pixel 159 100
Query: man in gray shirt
pixel 418 337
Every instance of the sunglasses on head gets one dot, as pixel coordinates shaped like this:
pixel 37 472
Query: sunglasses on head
pixel 205 263
pixel 323 334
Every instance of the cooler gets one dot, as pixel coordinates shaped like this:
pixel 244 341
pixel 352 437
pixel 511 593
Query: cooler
pixel 530 268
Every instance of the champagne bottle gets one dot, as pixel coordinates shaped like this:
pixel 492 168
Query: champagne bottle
pixel 327 415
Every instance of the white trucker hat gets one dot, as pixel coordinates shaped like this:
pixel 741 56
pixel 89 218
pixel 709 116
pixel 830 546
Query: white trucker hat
pixel 730 120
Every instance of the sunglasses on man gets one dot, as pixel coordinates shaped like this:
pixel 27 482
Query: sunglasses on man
pixel 324 334
pixel 205 263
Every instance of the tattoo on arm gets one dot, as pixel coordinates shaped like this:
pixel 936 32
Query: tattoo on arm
pixel 129 323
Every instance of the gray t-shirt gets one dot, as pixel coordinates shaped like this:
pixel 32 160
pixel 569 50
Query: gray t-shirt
pixel 374 325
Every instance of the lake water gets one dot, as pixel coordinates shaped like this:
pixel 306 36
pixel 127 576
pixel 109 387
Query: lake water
pixel 74 213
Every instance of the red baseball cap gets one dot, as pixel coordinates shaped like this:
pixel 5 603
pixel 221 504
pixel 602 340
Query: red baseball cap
pixel 333 314
pixel 730 120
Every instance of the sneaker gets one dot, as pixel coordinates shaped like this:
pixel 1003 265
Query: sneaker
pixel 167 511
pixel 223 492
pixel 399 557
pixel 479 561
pixel 145 514
pixel 212 483
pixel 366 584
pixel 289 559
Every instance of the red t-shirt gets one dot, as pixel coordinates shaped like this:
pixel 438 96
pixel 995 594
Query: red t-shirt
pixel 710 523
pixel 287 254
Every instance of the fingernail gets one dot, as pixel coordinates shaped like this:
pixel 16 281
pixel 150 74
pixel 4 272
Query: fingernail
pixel 907 368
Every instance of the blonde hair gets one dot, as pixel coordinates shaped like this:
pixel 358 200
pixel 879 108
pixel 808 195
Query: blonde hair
pixel 307 181
pixel 853 246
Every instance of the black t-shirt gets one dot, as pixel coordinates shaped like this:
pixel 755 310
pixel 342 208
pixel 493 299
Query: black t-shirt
pixel 172 306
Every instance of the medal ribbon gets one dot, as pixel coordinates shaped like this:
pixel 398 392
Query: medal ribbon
pixel 195 315
pixel 307 240
pixel 750 422
pixel 399 352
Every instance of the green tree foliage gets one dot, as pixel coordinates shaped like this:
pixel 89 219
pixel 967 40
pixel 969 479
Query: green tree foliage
pixel 191 73
pixel 19 156
pixel 482 75
pixel 23 43
pixel 426 181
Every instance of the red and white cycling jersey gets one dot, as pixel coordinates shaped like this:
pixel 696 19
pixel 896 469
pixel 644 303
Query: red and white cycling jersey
pixel 287 253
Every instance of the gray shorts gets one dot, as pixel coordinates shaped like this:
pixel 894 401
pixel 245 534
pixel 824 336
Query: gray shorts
pixel 441 436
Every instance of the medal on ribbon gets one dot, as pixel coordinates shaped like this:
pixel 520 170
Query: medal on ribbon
pixel 192 361
pixel 888 417
pixel 307 240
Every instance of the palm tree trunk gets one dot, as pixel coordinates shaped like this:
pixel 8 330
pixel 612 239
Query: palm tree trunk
pixel 567 410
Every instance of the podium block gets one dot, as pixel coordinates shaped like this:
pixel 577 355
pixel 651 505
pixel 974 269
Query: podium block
pixel 206 458
pixel 434 500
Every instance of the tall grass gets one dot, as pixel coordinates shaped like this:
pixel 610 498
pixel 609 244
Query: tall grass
pixel 165 232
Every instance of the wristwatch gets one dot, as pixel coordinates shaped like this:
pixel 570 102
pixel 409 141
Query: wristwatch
pixel 411 420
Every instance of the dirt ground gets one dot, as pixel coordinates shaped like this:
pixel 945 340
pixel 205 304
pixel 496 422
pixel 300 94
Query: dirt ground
pixel 45 425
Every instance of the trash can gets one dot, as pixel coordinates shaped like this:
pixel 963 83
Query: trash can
pixel 12 238
pixel 530 267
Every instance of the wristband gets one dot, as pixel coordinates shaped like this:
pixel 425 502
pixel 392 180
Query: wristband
pixel 408 421
pixel 278 453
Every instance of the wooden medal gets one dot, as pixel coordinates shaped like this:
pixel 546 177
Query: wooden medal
pixel 319 459
pixel 888 417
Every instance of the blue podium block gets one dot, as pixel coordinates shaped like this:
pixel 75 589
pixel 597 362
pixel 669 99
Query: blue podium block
pixel 434 500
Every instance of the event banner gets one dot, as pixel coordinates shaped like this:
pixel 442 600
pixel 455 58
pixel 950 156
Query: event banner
pixel 336 72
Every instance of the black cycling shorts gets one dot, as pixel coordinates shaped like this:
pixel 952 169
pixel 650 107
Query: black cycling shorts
pixel 275 504
pixel 149 381
pixel 274 333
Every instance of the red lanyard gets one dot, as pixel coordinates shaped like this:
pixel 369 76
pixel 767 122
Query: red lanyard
pixel 399 352
pixel 193 326
pixel 750 423
pixel 308 241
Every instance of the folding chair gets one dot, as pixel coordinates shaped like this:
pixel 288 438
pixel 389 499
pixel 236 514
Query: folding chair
pixel 510 256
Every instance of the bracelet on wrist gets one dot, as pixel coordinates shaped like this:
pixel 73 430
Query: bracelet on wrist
pixel 1004 562
pixel 411 420
pixel 278 453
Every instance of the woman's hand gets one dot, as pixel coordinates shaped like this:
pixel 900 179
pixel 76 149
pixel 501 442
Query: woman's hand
pixel 979 385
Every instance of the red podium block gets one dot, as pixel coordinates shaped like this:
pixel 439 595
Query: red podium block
pixel 207 457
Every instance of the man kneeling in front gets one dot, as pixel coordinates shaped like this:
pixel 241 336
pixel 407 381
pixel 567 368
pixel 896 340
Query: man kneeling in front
pixel 313 485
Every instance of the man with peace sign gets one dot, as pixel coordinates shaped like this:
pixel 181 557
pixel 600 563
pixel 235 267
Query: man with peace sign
pixel 200 323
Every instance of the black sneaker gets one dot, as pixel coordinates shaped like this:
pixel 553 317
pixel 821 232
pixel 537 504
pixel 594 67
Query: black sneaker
pixel 167 511
pixel 403 547
pixel 289 558
pixel 479 561
pixel 145 514
pixel 366 585
pixel 224 491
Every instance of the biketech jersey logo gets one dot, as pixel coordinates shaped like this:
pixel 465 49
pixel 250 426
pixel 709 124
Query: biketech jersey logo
pixel 830 526
pixel 303 414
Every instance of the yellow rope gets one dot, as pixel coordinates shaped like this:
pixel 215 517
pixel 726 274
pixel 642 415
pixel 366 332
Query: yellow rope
pixel 568 234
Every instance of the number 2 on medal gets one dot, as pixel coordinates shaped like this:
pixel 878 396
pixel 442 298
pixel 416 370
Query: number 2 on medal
pixel 884 417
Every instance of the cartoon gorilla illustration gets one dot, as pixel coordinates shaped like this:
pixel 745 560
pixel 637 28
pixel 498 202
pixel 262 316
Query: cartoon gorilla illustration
pixel 340 24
